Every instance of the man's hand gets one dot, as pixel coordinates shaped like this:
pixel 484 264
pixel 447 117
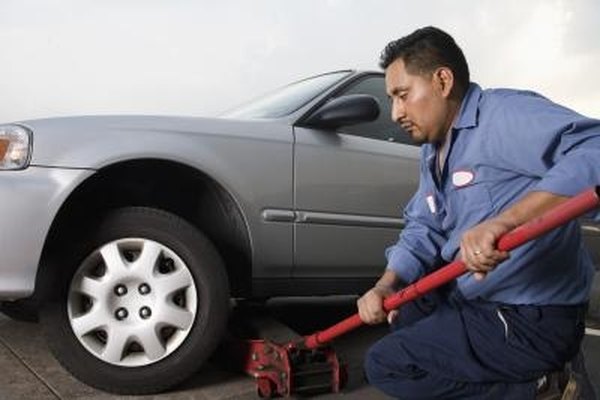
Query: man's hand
pixel 370 305
pixel 478 246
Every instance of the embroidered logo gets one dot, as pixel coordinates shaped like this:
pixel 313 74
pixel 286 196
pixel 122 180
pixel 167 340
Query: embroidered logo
pixel 462 178
pixel 431 203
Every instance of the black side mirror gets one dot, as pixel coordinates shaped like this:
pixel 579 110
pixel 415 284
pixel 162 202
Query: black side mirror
pixel 343 111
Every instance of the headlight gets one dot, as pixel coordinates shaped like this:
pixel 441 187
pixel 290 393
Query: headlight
pixel 15 147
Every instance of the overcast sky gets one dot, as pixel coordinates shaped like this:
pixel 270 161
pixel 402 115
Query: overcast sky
pixel 184 57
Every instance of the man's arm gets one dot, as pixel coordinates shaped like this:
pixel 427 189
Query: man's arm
pixel 417 249
pixel 481 238
pixel 478 244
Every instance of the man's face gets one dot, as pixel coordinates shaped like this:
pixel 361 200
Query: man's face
pixel 419 103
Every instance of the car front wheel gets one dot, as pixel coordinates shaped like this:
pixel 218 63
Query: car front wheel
pixel 143 305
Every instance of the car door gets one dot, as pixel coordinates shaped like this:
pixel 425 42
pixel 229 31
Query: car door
pixel 350 189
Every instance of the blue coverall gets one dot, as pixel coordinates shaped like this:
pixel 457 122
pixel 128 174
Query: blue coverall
pixel 497 336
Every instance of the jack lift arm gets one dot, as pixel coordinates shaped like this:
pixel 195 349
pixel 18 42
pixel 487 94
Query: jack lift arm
pixel 309 366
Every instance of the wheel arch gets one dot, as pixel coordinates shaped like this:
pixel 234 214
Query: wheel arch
pixel 167 185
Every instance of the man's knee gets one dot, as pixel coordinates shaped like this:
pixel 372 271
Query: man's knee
pixel 379 365
pixel 384 364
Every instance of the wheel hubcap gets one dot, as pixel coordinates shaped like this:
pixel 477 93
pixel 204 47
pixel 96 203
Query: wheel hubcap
pixel 132 302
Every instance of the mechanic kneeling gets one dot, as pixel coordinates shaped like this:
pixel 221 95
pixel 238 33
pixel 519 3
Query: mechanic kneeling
pixel 491 160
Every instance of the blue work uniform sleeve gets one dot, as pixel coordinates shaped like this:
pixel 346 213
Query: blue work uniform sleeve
pixel 551 142
pixel 418 248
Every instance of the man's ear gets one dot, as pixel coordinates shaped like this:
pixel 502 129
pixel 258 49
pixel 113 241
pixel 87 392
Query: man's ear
pixel 444 79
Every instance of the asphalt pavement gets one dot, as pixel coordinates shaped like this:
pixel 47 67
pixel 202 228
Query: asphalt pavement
pixel 30 372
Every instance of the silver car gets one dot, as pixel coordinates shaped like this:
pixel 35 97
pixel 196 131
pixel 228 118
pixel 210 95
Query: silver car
pixel 130 235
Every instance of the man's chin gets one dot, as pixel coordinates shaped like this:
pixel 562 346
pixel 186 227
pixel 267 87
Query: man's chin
pixel 417 138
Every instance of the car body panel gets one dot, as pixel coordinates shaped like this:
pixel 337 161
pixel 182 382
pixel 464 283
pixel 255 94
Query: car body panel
pixel 29 201
pixel 250 160
pixel 348 192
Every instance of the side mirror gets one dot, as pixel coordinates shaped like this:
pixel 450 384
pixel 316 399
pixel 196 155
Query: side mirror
pixel 345 110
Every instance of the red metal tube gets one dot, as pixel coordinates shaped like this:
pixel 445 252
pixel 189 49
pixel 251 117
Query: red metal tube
pixel 570 209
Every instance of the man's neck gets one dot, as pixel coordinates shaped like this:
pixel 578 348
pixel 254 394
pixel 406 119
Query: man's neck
pixel 444 145
pixel 442 152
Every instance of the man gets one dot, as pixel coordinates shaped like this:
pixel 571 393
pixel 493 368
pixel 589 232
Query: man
pixel 491 160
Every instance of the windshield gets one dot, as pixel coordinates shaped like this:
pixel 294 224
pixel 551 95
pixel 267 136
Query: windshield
pixel 287 99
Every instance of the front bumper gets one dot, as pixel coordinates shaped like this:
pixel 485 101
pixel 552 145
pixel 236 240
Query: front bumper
pixel 29 202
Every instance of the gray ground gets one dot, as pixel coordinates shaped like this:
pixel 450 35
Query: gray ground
pixel 30 372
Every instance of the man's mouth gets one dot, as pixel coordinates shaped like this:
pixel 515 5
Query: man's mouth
pixel 407 126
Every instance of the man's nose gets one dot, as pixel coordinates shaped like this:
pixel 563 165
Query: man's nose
pixel 398 111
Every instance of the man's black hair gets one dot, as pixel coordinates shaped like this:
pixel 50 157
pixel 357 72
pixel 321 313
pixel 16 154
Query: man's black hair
pixel 426 49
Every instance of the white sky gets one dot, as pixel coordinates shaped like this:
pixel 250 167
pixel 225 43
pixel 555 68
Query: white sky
pixel 184 57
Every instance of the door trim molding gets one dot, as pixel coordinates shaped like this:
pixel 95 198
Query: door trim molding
pixel 326 218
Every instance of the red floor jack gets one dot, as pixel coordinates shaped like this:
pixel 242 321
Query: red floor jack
pixel 308 366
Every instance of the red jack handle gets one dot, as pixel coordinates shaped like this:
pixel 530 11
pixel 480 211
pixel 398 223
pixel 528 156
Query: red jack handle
pixel 564 212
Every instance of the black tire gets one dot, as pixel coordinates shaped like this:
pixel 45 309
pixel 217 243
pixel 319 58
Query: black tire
pixel 209 323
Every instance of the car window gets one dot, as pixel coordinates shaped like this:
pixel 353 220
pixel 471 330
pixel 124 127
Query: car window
pixel 383 128
pixel 287 99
